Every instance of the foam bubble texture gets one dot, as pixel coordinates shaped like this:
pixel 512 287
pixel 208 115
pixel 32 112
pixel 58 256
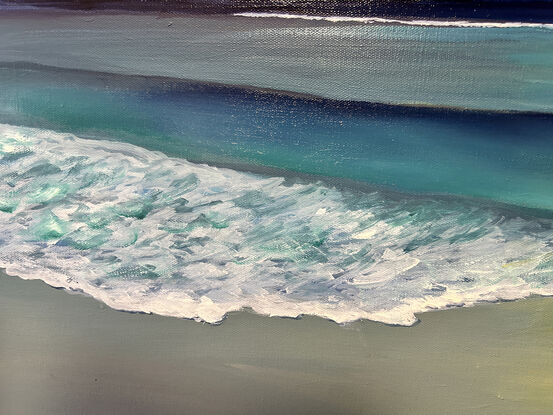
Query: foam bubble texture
pixel 144 232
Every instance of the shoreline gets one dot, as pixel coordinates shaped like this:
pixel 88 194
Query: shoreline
pixel 250 311
pixel 59 353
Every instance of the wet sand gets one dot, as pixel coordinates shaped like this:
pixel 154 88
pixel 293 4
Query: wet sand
pixel 69 354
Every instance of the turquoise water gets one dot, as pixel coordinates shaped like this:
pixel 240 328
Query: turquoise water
pixel 502 157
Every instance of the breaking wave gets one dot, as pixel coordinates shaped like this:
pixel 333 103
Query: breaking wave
pixel 144 232
pixel 407 22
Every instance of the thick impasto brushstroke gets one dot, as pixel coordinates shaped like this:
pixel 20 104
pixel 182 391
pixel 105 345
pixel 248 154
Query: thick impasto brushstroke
pixel 143 232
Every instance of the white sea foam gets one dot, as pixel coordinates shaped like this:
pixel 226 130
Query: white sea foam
pixel 407 22
pixel 144 232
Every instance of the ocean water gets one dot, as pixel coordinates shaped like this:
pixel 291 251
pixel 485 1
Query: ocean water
pixel 394 189
pixel 500 68
pixel 144 232
pixel 493 156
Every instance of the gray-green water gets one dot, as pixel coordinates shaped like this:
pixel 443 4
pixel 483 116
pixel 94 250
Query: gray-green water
pixel 487 68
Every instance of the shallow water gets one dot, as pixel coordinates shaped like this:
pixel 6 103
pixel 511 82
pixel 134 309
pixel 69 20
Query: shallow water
pixel 144 232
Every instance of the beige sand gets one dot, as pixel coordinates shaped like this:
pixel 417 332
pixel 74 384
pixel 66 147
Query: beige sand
pixel 68 354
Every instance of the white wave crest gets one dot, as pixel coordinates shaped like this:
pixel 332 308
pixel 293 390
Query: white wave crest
pixel 409 22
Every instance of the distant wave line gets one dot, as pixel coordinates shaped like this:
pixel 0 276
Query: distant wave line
pixel 414 22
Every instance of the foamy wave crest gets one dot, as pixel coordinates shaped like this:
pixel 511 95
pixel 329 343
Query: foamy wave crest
pixel 144 232
pixel 413 22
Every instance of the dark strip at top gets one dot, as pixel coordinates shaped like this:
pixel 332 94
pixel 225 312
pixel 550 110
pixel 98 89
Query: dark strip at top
pixel 503 10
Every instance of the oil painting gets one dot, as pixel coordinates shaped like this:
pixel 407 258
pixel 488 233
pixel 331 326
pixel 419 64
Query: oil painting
pixel 276 207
